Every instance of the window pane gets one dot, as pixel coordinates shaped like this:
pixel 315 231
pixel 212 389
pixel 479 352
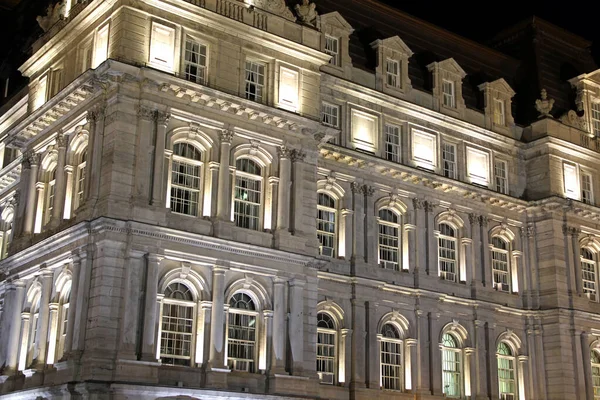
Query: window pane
pixel 185 179
pixel 447 253
pixel 255 81
pixel 392 143
pixel 195 61
pixel 326 224
pixel 449 157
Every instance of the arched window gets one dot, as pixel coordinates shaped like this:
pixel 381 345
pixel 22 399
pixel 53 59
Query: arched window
pixel 326 224
pixel 65 300
pixel 507 383
pixel 242 333
pixel 6 230
pixel 326 348
pixel 595 358
pixel 247 194
pixel 30 333
pixel 389 239
pixel 501 264
pixel 50 192
pixel 589 274
pixel 80 185
pixel 447 257
pixel 177 325
pixel 391 358
pixel 451 366
pixel 186 171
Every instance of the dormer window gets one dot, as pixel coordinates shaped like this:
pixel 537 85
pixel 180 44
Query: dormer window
pixel 449 95
pixel 332 47
pixel 499 116
pixel 596 118
pixel 497 106
pixel 392 70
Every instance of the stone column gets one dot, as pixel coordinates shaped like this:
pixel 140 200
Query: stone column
pixel 421 240
pixel 345 234
pixel 42 327
pixel 587 366
pixel 476 271
pixel 60 184
pixel 471 373
pixel 481 360
pixel 69 193
pixel 358 204
pixel 358 362
pixel 372 345
pixel 285 185
pixel 24 341
pixel 296 324
pixel 435 367
pixel 265 347
pixel 96 144
pixel 131 315
pixel 526 267
pixel 486 273
pixel 146 126
pixel 217 337
pixel 149 343
pixel 158 190
pixel 73 306
pixel 466 274
pixel 224 198
pixel 345 350
pixel 204 339
pixel 33 161
pixel 431 267
pixel 523 378
pixel 579 367
pixel 492 360
pixel 16 305
pixel 541 362
pixel 53 335
pixel 423 359
pixel 39 209
pixel 532 383
pixel 298 158
pixel 575 232
pixel 411 368
pixel 279 338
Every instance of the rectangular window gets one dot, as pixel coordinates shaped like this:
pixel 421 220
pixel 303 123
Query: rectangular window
pixel 326 356
pixel 248 192
pixel 41 92
pixel 365 130
pixel 571 181
pixel 392 69
pixel 424 148
pixel 80 183
pixel 330 115
pixel 392 143
pixel 194 62
pixel 449 158
pixel 478 166
pixel 101 46
pixel 451 372
pixel 86 56
pixel 332 47
pixel 176 337
pixel 288 88
pixel 499 116
pixel 162 46
pixel 587 194
pixel 448 93
pixel 241 341
pixel 501 176
pixel 255 81
pixel 56 81
pixel 391 364
pixel 596 119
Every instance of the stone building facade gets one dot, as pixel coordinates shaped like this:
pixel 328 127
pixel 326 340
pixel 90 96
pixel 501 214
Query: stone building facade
pixel 236 199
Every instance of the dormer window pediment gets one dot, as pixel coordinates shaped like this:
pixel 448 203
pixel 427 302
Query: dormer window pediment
pixel 335 39
pixel 498 105
pixel 392 66
pixel 447 87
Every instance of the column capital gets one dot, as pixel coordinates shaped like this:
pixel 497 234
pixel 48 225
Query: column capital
pixel 523 359
pixel 268 313
pixel 284 152
pixel 411 342
pixel 367 190
pixel 96 112
pixel 297 283
pixel 146 113
pixel 530 230
pixel 53 306
pixel 417 204
pixel 469 351
pixel 473 219
pixel 206 305
pixel 479 323
pixel 279 280
pixel 32 159
pixel 162 118
pixel 428 206
pixel 62 140
pixel 298 155
pixel 151 257
pixel 483 221
pixel 226 136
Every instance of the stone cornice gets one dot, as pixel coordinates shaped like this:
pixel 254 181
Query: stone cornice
pixel 414 176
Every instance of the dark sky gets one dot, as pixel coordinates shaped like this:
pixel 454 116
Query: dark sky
pixel 480 22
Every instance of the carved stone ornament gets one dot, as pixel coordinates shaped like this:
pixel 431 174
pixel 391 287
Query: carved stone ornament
pixel 298 155
pixel 276 7
pixel 226 136
pixel 572 119
pixel 544 105
pixel 306 12
pixel 284 152
pixel 54 13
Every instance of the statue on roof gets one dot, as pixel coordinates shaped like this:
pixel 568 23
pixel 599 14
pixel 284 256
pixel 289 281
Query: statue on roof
pixel 544 105
pixel 277 7
pixel 54 13
pixel 306 12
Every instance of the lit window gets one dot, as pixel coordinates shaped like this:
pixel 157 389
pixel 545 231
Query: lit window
pixel 392 143
pixel 255 81
pixel 451 366
pixel 162 46
pixel 6 229
pixel 63 324
pixel 500 264
pixel 424 149
pixel 478 166
pixel 56 81
pixel 288 88
pixel 501 176
pixel 241 333
pixel 81 171
pixel 326 224
pixel 332 47
pixel 391 358
pixel 86 55
pixel 449 159
pixel 571 181
pixel 596 119
pixel 247 194
pixel 447 253
pixel 50 194
pixel 177 325
pixel 330 115
pixel 506 373
pixel 595 359
pixel 587 195
pixel 389 239
pixel 41 92
pixel 194 63
pixel 499 113
pixel 392 70
pixel 186 171
pixel 30 333
pixel 326 348
pixel 101 46
pixel 589 274
pixel 448 93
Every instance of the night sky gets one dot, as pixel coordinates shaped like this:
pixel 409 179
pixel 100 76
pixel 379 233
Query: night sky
pixel 480 23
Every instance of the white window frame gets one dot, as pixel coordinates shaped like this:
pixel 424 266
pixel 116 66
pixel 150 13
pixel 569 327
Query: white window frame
pixel 201 63
pixel 499 112
pixel 187 304
pixel 595 117
pixel 393 76
pixel 587 188
pixel 443 248
pixel 327 377
pixel 289 89
pixel 248 177
pixel 595 373
pixel 449 157
pixel 80 179
pixel 511 366
pixel 458 353
pixel 501 182
pixel 330 114
pixel 501 257
pixel 571 181
pixel 157 59
pixel 188 163
pixel 589 274
pixel 332 47
pixel 384 236
pixel 393 140
pixel 448 93
pixel 417 158
pixel 323 234
pixel 101 41
pixel 238 363
pixel 477 159
pixel 389 381
pixel 255 76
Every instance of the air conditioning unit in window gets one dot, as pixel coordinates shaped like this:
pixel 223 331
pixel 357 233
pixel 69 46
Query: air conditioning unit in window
pixel 326 379
pixel 326 251
pixel 507 396
pixel 502 287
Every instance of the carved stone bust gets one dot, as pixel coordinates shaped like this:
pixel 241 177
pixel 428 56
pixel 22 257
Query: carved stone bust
pixel 306 12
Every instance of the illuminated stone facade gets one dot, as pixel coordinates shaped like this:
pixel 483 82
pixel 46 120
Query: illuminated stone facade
pixel 208 198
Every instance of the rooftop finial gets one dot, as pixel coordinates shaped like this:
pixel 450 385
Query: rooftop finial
pixel 306 12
